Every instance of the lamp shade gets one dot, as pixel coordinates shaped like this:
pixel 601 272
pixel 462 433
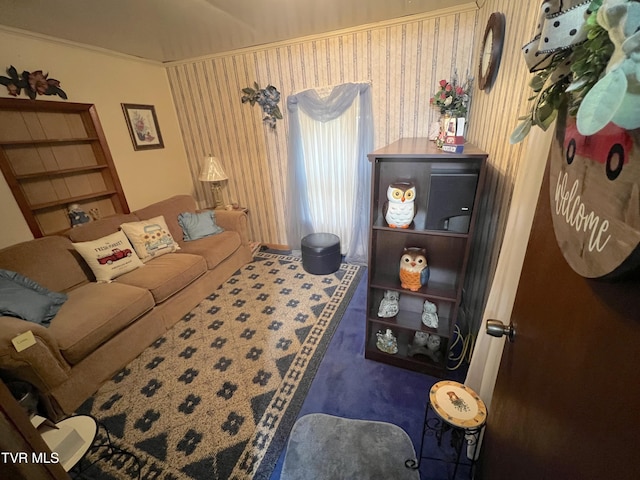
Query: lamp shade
pixel 212 170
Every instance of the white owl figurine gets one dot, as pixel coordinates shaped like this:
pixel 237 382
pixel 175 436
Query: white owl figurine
pixel 429 315
pixel 389 304
pixel 414 271
pixel 399 209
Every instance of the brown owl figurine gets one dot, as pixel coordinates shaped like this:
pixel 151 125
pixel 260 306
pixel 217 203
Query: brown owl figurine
pixel 414 271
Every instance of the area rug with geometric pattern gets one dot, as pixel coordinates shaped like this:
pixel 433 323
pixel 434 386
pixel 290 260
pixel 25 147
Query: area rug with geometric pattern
pixel 217 395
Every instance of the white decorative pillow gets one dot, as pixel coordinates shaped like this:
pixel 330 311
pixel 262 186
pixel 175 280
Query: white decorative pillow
pixel 150 238
pixel 109 257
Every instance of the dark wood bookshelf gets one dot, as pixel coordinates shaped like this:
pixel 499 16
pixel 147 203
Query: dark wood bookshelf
pixel 445 182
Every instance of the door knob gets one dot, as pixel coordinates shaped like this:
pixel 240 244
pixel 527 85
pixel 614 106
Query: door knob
pixel 496 328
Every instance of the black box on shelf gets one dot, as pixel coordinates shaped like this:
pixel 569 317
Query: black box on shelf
pixel 450 203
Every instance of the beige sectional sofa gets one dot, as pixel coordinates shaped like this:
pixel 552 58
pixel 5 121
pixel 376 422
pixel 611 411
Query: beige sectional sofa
pixel 103 326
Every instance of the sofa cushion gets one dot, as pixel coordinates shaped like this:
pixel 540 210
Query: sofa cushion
pixel 170 209
pixel 99 228
pixel 51 261
pixel 109 257
pixel 214 249
pixel 23 298
pixel 94 313
pixel 163 276
pixel 198 225
pixel 150 238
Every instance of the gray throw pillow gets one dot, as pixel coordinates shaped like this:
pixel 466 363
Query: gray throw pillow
pixel 23 298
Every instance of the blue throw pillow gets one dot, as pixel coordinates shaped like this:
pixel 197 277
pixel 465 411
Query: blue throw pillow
pixel 198 225
pixel 23 298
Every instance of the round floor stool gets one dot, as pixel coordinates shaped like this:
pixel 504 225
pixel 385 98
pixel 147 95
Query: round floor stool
pixel 321 253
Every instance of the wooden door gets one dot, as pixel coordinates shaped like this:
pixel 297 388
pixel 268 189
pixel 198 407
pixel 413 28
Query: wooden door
pixel 566 402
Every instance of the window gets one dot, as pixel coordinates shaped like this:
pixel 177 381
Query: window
pixel 329 174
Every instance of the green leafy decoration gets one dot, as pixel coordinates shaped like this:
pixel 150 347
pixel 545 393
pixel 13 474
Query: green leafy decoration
pixel 600 105
pixel 588 62
pixel 616 96
pixel 548 98
pixel 627 115
pixel 521 131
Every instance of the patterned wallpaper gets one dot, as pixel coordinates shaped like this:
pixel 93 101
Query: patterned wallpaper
pixel 403 60
pixel 493 118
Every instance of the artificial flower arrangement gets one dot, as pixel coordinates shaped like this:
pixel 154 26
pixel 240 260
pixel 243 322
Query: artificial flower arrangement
pixel 452 98
pixel 267 98
pixel 33 83
pixel 594 71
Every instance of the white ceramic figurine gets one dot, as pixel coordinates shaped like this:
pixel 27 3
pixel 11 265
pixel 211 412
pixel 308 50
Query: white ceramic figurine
pixel 387 342
pixel 429 315
pixel 399 209
pixel 389 304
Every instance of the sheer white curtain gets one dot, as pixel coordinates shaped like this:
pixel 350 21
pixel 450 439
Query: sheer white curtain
pixel 329 172
pixel 331 160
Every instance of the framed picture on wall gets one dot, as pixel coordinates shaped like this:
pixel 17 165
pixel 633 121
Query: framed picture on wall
pixel 143 126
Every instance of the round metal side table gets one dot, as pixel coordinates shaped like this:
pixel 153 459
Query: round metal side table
pixel 456 412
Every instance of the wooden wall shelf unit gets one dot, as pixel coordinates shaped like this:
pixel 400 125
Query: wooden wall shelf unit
pixel 53 154
pixel 448 186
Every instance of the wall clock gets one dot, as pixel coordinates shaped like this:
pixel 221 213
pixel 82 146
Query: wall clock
pixel 491 50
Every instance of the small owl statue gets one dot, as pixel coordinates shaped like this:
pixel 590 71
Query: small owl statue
pixel 429 315
pixel 420 338
pixel 389 304
pixel 433 347
pixel 433 343
pixel 399 209
pixel 414 271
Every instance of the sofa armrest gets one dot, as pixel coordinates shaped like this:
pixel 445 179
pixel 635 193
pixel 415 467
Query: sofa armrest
pixel 41 364
pixel 236 221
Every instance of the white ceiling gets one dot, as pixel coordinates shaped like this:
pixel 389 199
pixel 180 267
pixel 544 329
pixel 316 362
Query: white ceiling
pixel 173 30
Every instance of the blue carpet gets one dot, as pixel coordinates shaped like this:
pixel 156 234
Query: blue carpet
pixel 348 385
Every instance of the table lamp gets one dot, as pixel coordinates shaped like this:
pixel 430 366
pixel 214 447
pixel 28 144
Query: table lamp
pixel 212 172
